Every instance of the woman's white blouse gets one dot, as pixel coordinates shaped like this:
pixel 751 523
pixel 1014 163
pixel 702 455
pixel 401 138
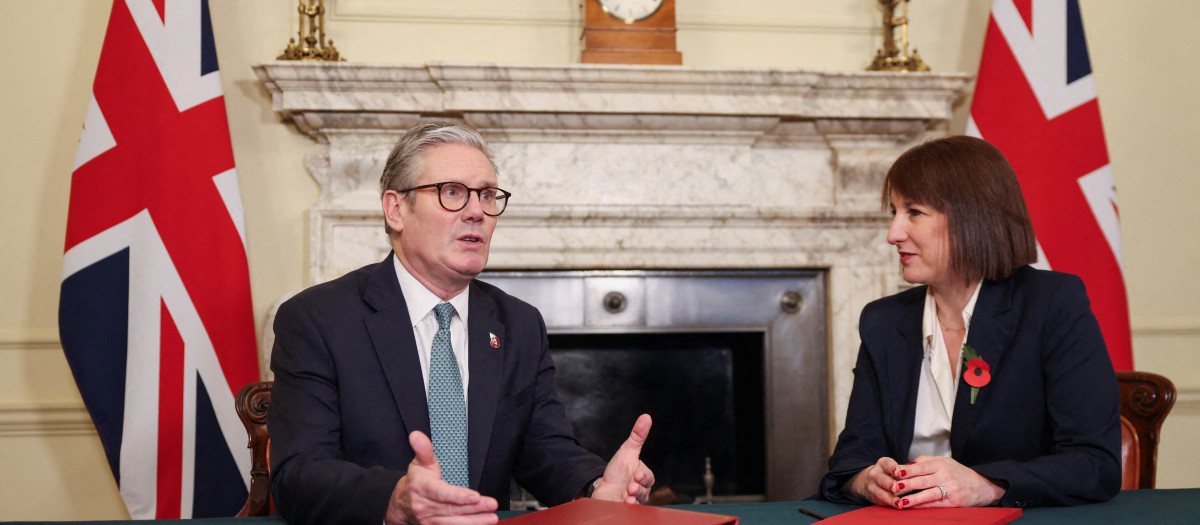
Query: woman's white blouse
pixel 938 385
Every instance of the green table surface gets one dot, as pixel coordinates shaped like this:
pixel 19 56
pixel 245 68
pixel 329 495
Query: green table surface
pixel 1156 507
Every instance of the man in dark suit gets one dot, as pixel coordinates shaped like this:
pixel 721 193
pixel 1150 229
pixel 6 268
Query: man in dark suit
pixel 407 391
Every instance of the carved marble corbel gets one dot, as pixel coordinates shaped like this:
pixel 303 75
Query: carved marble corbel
pixel 862 151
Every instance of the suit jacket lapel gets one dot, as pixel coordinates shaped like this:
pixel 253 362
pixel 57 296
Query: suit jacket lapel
pixel 903 372
pixel 990 335
pixel 485 362
pixel 391 334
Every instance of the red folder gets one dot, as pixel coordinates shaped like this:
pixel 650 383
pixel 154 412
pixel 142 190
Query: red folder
pixel 588 511
pixel 963 515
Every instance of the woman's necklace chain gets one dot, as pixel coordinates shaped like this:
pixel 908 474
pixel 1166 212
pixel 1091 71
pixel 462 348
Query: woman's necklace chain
pixel 946 326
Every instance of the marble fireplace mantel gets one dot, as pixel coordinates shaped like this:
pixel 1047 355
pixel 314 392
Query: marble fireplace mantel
pixel 636 167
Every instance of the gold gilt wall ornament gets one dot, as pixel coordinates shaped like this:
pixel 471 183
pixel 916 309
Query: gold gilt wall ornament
pixel 312 46
pixel 893 57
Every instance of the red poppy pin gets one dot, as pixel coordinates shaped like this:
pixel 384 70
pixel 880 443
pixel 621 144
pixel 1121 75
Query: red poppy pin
pixel 978 372
pixel 494 340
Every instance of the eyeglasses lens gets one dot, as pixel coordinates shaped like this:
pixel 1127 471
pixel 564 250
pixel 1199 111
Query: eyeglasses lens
pixel 454 197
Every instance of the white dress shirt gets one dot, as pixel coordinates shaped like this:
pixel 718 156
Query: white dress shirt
pixel 420 303
pixel 939 383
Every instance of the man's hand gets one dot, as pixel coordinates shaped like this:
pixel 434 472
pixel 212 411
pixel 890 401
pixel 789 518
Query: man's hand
pixel 422 497
pixel 626 478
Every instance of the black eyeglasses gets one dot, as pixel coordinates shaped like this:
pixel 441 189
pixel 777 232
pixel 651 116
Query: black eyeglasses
pixel 453 196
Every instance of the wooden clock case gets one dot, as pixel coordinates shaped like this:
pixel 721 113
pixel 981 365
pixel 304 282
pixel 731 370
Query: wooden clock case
pixel 611 40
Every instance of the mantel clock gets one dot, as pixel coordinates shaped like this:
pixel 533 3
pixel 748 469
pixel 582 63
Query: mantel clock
pixel 630 32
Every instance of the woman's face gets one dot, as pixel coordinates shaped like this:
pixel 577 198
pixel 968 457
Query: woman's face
pixel 922 238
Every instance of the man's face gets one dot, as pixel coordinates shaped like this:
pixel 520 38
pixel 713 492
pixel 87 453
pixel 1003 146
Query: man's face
pixel 442 249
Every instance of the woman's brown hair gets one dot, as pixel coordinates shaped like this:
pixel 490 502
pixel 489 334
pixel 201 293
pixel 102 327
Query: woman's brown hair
pixel 970 181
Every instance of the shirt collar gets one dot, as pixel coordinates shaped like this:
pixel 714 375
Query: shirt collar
pixel 420 300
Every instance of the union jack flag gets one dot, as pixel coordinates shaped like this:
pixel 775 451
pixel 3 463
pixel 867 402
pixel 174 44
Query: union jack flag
pixel 155 314
pixel 1035 99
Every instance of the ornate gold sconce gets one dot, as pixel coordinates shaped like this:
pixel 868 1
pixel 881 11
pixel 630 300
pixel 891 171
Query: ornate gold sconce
pixel 312 46
pixel 893 57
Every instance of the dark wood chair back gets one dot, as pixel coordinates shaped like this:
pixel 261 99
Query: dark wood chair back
pixel 1146 399
pixel 253 401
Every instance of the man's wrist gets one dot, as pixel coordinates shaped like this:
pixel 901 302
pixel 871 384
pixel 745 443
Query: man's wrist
pixel 588 488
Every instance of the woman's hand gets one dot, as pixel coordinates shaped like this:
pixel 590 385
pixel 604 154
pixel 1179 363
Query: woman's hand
pixel 875 483
pixel 942 482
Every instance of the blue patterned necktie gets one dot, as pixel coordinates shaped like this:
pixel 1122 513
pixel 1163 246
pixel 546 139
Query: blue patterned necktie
pixel 447 409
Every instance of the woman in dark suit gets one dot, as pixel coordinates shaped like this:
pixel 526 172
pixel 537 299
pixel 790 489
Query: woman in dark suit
pixel 990 384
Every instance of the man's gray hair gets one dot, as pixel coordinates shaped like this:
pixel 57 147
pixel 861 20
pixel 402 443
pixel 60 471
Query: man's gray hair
pixel 404 164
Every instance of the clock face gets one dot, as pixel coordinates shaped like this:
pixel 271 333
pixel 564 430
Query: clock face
pixel 630 10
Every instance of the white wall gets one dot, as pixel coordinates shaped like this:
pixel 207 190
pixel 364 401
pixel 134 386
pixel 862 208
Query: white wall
pixel 51 463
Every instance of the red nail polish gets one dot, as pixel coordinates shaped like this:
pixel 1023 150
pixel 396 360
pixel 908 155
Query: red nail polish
pixel 903 473
pixel 905 502
pixel 900 486
pixel 912 462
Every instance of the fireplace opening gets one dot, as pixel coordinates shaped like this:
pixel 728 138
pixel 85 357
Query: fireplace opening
pixel 704 391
